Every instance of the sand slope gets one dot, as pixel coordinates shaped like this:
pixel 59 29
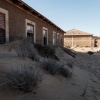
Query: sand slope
pixel 86 72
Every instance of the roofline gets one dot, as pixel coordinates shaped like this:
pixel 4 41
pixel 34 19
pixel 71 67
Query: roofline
pixel 77 34
pixel 34 12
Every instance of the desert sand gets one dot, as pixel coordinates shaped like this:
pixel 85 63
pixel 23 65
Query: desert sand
pixel 83 85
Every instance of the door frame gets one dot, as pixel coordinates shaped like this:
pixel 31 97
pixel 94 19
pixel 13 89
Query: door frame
pixel 6 24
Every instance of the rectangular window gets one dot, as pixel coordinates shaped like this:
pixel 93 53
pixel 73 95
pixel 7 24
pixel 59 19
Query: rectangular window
pixel 45 36
pixel 61 40
pixel 54 38
pixel 2 28
pixel 57 36
pixel 30 30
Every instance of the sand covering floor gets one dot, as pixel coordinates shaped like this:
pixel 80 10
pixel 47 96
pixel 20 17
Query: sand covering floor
pixel 86 77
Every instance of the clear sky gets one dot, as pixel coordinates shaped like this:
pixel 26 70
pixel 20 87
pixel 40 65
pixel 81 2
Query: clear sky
pixel 83 15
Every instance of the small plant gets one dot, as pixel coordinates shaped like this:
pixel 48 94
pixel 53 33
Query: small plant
pixel 70 64
pixel 68 51
pixel 90 52
pixel 51 66
pixel 25 48
pixel 46 51
pixel 23 79
pixel 65 72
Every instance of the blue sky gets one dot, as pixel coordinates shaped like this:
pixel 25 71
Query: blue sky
pixel 83 15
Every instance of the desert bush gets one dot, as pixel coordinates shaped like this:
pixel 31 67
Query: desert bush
pixel 23 79
pixel 46 51
pixel 14 42
pixel 68 51
pixel 70 64
pixel 65 72
pixel 25 48
pixel 53 67
pixel 90 52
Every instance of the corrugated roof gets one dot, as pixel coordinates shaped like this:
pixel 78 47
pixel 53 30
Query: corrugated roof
pixel 76 32
pixel 34 12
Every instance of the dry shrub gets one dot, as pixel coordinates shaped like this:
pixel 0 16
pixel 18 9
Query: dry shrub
pixel 46 51
pixel 70 64
pixel 90 52
pixel 24 79
pixel 53 67
pixel 69 52
pixel 65 72
pixel 25 48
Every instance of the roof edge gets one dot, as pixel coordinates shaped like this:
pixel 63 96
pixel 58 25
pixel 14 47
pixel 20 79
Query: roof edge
pixel 34 12
pixel 78 31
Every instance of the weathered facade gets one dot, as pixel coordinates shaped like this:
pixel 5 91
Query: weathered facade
pixel 96 41
pixel 77 38
pixel 17 18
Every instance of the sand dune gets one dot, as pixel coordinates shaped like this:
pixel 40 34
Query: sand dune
pixel 85 78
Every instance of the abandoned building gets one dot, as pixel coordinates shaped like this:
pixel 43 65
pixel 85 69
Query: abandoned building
pixel 77 38
pixel 17 18
pixel 96 40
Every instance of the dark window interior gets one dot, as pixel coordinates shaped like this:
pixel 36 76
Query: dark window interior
pixel 30 31
pixel 44 37
pixel 2 28
pixel 2 36
pixel 45 40
pixel 61 41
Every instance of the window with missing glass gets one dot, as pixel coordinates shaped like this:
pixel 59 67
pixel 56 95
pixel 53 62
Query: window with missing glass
pixel 61 39
pixel 45 33
pixel 57 35
pixel 2 28
pixel 30 31
pixel 54 38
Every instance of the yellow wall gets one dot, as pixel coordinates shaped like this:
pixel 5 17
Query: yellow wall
pixel 78 41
